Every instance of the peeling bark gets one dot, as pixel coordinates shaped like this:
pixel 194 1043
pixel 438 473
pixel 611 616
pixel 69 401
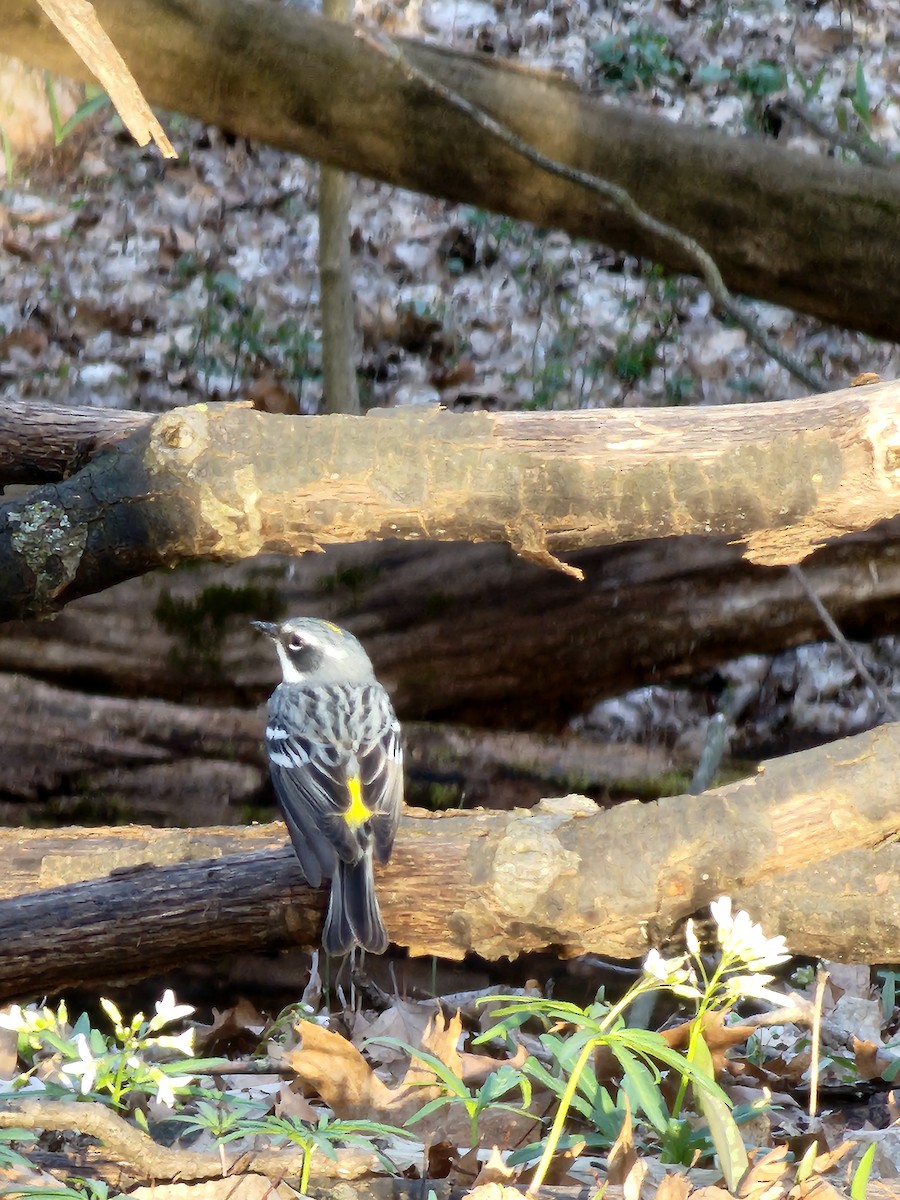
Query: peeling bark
pixel 224 483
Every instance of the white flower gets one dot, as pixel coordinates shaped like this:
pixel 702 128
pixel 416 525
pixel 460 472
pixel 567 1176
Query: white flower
pixel 741 939
pixel 168 1011
pixel 671 973
pixel 86 1066
pixel 165 1085
pixel 183 1043
pixel 13 1018
pixel 753 987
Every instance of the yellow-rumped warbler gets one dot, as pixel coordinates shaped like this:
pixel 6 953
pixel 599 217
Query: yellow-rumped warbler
pixel 337 769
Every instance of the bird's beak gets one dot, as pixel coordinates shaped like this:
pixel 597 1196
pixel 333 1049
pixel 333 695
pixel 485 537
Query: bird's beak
pixel 267 628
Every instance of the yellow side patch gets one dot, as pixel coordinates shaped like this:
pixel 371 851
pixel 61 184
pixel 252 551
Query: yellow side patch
pixel 357 813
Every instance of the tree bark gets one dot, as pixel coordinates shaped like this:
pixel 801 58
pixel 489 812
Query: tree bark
pixel 269 73
pixel 41 443
pixel 804 845
pixel 224 483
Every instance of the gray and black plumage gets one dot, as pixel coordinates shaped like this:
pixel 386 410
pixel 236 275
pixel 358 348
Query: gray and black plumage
pixel 337 768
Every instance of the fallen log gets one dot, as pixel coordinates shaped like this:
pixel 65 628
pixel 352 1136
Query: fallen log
pixel 806 839
pixel 459 633
pixel 223 483
pixel 99 759
pixel 722 191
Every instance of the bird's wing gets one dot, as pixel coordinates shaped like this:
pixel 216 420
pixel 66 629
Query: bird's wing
pixel 311 785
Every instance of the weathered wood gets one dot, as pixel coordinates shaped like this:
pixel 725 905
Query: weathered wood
pixel 224 483
pixel 268 72
pixel 797 838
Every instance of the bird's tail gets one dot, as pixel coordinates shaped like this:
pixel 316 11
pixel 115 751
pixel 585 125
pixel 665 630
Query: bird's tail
pixel 353 917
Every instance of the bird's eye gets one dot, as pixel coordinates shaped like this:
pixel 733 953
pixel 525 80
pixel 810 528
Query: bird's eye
pixel 296 644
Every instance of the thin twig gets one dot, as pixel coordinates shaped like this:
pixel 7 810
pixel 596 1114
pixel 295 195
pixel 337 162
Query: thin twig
pixel 614 193
pixel 852 654
pixel 816 1035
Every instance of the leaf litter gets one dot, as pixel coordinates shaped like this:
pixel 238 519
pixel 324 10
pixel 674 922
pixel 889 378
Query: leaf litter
pixel 130 283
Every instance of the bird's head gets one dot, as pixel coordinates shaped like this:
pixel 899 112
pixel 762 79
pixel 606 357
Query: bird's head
pixel 312 650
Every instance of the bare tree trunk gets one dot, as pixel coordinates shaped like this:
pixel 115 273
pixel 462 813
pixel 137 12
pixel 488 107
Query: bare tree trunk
pixel 341 393
pixel 335 279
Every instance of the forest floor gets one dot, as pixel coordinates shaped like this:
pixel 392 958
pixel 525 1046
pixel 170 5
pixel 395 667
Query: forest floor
pixel 133 283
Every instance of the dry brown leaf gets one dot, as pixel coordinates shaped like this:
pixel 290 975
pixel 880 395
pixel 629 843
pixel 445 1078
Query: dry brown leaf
pixel 830 1158
pixel 674 1186
pixel 624 1168
pixel 865 378
pixel 869 1062
pixel 238 1028
pixel 441 1038
pixel 494 1170
pixel 815 1189
pixel 327 1063
pixel 268 394
pixel 768 1176
pixel 477 1067
pixel 293 1105
pixel 32 341
pixel 495 1191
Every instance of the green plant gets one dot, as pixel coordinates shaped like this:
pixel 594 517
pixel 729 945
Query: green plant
pixel 324 1137
pixel 490 1095
pixel 135 1062
pixel 95 100
pixel 859 1185
pixel 8 157
pixel 10 1157
pixel 576 1034
pixel 641 58
pixel 761 78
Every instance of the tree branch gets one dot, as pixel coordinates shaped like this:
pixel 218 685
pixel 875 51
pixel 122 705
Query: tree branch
pixel 701 261
pixel 223 483
pixel 749 202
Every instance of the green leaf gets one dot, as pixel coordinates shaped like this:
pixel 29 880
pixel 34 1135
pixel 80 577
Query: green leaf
pixel 723 1130
pixel 860 1183
pixel 860 99
pixel 641 1088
